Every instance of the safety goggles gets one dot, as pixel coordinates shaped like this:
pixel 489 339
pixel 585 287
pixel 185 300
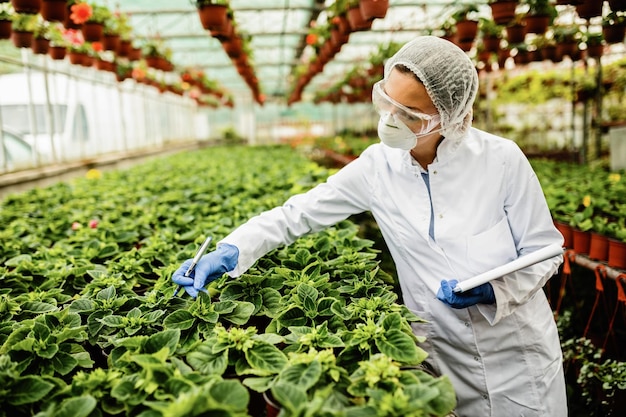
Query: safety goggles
pixel 383 104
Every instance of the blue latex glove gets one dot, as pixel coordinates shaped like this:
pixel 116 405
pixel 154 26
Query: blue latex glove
pixel 483 294
pixel 210 267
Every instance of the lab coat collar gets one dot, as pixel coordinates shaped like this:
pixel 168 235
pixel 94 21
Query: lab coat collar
pixel 445 151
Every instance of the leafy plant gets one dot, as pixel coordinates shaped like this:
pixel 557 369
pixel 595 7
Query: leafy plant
pixel 24 22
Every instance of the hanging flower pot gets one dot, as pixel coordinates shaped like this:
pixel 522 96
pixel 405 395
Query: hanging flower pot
pixel 373 9
pixel 76 57
pixel 549 52
pixel 57 52
pixel 614 34
pixel 566 2
pixel 40 46
pixel 589 8
pixel 26 6
pixel 357 23
pixel 466 30
pixel 537 23
pixel 212 16
pixel 515 33
pixel 54 10
pixel 22 39
pixel 5 29
pixel 92 31
pixel 111 42
pixel 491 43
pixel 617 5
pixel 503 11
pixel 617 254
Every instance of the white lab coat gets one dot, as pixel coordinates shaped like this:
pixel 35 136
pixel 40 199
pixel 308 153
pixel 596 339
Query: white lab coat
pixel 504 360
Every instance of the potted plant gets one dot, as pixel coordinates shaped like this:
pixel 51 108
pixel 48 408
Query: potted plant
pixel 516 29
pixel 373 9
pixel 355 17
pixel 595 44
pixel 6 13
pixel 466 22
pixel 491 34
pixel 566 38
pixel 26 6
pixel 588 9
pixel 540 15
pixel 23 26
pixel 212 13
pixel 614 28
pixel 58 43
pixel 54 10
pixel 41 38
pixel 503 11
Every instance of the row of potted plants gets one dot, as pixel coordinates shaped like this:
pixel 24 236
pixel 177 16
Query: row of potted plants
pixel 88 325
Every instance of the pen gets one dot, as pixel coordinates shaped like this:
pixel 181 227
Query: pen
pixel 194 262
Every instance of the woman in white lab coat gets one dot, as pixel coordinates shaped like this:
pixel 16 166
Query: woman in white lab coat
pixel 451 202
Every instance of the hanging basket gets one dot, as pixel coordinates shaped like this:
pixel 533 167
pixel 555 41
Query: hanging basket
pixel 5 29
pixel 40 46
pixel 92 31
pixel 22 39
pixel 589 8
pixel 617 5
pixel 54 10
pixel 57 52
pixel 111 42
pixel 537 24
pixel 466 30
pixel 26 6
pixel 357 23
pixel 373 9
pixel 515 33
pixel 77 58
pixel 503 11
pixel 614 34
pixel 212 16
pixel 595 51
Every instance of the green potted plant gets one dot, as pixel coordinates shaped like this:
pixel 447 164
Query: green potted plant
pixel 614 27
pixel 540 15
pixel 466 22
pixel 213 14
pixel 567 38
pixel 595 44
pixel 23 27
pixel 503 11
pixel 6 13
pixel 491 34
pixel 41 37
pixel 58 43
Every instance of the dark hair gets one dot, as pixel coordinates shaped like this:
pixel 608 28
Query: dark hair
pixel 406 70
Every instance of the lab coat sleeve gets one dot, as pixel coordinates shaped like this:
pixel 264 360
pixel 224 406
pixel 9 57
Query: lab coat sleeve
pixel 345 193
pixel 532 228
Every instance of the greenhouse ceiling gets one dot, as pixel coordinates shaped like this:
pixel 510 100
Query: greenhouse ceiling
pixel 278 30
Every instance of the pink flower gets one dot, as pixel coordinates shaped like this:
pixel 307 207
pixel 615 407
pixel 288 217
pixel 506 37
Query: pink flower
pixel 93 223
pixel 76 226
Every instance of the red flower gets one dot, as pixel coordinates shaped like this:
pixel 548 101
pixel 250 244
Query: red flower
pixel 97 46
pixel 81 12
pixel 311 39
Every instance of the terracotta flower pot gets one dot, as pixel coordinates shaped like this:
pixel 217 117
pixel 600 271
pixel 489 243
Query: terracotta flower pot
pixel 57 52
pixel 54 10
pixel 26 6
pixel 22 39
pixel 212 16
pixel 617 254
pixel 537 23
pixel 40 46
pixel 503 11
pixel 373 9
pixel 614 34
pixel 271 408
pixel 5 29
pixel 617 5
pixel 581 241
pixel 599 247
pixel 111 42
pixel 76 58
pixel 566 231
pixel 92 31
pixel 515 33
pixel 466 30
pixel 589 8
pixel 357 23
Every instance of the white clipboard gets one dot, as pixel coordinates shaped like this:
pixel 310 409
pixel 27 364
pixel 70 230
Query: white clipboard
pixel 515 265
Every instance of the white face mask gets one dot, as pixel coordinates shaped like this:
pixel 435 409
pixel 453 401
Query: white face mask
pixel 395 134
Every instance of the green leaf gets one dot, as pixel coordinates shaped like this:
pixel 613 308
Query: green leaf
pixel 400 347
pixel 113 321
pixel 28 389
pixel 302 375
pixel 16 260
pixel 63 363
pixel 232 394
pixel 289 396
pixel 258 383
pixel 266 358
pixel 77 407
pixel 179 319
pixel 206 362
pixel 294 316
pixel 37 307
pixel 167 338
pixel 241 314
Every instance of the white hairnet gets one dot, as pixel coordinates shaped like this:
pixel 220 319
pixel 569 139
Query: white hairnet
pixel 448 75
